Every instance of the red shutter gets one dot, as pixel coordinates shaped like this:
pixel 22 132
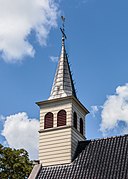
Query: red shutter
pixel 61 118
pixel 48 120
pixel 75 120
pixel 81 126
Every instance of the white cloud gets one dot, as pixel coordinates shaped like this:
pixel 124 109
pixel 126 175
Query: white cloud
pixel 18 18
pixel 115 110
pixel 54 59
pixel 94 110
pixel 22 132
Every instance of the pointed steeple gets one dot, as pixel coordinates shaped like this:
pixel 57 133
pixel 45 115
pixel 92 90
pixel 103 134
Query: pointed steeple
pixel 63 83
pixel 61 117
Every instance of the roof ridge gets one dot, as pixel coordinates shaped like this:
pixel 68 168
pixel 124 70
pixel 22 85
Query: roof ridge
pixel 104 138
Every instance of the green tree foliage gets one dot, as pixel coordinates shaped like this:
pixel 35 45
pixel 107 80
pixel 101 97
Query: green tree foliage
pixel 14 164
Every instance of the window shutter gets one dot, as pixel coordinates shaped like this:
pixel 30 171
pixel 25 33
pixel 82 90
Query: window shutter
pixel 48 120
pixel 75 120
pixel 81 126
pixel 61 118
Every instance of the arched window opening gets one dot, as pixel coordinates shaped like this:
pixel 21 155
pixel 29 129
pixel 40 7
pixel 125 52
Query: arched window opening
pixel 81 126
pixel 48 120
pixel 61 118
pixel 75 120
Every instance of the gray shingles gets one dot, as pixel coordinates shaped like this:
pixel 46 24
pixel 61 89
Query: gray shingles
pixel 63 84
pixel 98 159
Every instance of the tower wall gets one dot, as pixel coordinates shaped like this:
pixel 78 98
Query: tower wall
pixel 80 114
pixel 57 145
pixel 55 106
pixel 75 137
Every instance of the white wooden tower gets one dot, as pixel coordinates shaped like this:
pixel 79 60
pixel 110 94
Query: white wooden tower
pixel 62 117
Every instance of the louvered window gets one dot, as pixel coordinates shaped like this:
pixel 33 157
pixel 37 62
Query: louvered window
pixel 48 120
pixel 75 120
pixel 61 118
pixel 81 126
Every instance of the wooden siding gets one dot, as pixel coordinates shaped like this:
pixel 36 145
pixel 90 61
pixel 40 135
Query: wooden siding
pixel 55 108
pixel 75 137
pixel 80 114
pixel 55 146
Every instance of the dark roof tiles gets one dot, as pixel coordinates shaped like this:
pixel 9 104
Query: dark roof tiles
pixel 98 159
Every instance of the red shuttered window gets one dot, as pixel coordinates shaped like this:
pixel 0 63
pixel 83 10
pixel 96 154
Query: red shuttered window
pixel 75 120
pixel 48 120
pixel 81 126
pixel 61 118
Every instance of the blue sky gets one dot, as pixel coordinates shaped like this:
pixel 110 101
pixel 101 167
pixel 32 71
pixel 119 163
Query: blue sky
pixel 97 45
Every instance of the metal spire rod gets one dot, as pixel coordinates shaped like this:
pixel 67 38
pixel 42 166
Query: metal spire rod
pixel 63 20
pixel 63 29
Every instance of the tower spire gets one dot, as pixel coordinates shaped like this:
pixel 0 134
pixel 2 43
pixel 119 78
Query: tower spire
pixel 63 84
pixel 60 131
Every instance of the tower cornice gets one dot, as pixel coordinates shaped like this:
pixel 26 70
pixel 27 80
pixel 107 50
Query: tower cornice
pixel 41 103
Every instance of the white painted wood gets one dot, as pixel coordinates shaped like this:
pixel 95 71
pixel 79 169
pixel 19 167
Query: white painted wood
pixel 58 144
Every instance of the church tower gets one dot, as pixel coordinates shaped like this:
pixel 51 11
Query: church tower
pixel 62 117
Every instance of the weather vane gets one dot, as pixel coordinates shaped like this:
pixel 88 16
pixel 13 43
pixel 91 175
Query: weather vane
pixel 63 29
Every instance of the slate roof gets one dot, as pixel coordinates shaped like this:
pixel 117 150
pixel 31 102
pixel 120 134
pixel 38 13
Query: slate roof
pixel 95 159
pixel 63 84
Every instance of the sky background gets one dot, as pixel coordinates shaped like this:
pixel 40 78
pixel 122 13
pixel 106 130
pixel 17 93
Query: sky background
pixel 30 44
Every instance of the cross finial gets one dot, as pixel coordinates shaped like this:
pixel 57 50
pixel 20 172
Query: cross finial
pixel 63 29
